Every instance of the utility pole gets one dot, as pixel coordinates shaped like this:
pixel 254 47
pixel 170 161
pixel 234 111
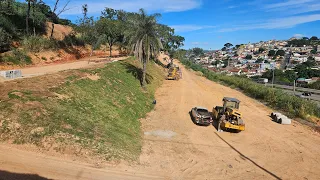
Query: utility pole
pixel 273 77
pixel 294 87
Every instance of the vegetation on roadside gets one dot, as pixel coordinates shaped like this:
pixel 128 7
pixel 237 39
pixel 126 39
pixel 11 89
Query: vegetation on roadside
pixel 139 32
pixel 144 39
pixel 315 85
pixel 24 19
pixel 23 25
pixel 83 111
pixel 275 98
pixel 17 56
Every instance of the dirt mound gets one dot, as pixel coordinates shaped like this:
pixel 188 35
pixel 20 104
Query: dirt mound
pixel 59 32
pixel 61 55
pixel 163 58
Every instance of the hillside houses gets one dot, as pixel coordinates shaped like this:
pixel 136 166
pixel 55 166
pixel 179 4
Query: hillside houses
pixel 256 58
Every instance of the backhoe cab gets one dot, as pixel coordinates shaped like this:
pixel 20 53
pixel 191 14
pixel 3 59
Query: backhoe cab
pixel 229 116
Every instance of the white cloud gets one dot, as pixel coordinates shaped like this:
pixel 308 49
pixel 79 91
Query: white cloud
pixel 188 28
pixel 288 3
pixel 231 7
pixel 199 43
pixel 279 23
pixel 133 6
pixel 298 35
pixel 298 9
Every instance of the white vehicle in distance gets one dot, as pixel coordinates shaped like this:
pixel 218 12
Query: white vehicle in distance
pixel 263 80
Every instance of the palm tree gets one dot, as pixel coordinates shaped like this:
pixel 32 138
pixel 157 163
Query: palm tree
pixel 143 38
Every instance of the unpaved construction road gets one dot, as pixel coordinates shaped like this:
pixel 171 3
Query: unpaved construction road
pixel 87 62
pixel 175 148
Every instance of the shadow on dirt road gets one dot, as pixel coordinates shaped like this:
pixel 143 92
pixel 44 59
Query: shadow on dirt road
pixel 5 175
pixel 242 155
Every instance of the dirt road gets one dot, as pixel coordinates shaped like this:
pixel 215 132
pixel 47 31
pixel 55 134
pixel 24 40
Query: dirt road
pixel 266 150
pixel 175 148
pixel 53 68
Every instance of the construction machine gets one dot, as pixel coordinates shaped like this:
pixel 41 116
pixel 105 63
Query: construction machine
pixel 174 73
pixel 229 117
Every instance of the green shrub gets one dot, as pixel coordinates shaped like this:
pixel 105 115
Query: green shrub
pixel 315 85
pixel 38 43
pixel 5 39
pixel 72 40
pixel 17 57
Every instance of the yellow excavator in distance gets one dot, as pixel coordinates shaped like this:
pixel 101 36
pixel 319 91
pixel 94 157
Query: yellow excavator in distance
pixel 174 73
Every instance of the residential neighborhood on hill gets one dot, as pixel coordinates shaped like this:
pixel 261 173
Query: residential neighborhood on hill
pixel 254 59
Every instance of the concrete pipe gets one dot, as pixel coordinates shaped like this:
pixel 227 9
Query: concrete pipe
pixel 284 120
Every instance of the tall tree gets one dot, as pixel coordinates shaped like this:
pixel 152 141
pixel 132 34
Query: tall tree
pixel 58 13
pixel 165 33
pixel 144 38
pixel 280 53
pixel 4 40
pixel 171 42
pixel 259 60
pixel 272 53
pixel 197 51
pixel 314 38
pixel 87 29
pixel 28 16
pixel 228 45
pixel 111 30
pixel 6 6
pixel 34 16
pixel 261 49
pixel 109 13
pixel 249 57
pixel 119 18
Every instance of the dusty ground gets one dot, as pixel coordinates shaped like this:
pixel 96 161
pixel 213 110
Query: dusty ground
pixel 53 68
pixel 175 148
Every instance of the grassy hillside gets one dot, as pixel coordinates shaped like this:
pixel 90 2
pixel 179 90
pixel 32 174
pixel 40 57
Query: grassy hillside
pixel 80 111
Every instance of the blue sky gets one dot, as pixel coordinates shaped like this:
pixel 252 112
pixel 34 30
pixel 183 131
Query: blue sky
pixel 211 23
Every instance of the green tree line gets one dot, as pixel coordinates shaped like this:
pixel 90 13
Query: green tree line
pixel 138 33
pixel 133 32
pixel 305 41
